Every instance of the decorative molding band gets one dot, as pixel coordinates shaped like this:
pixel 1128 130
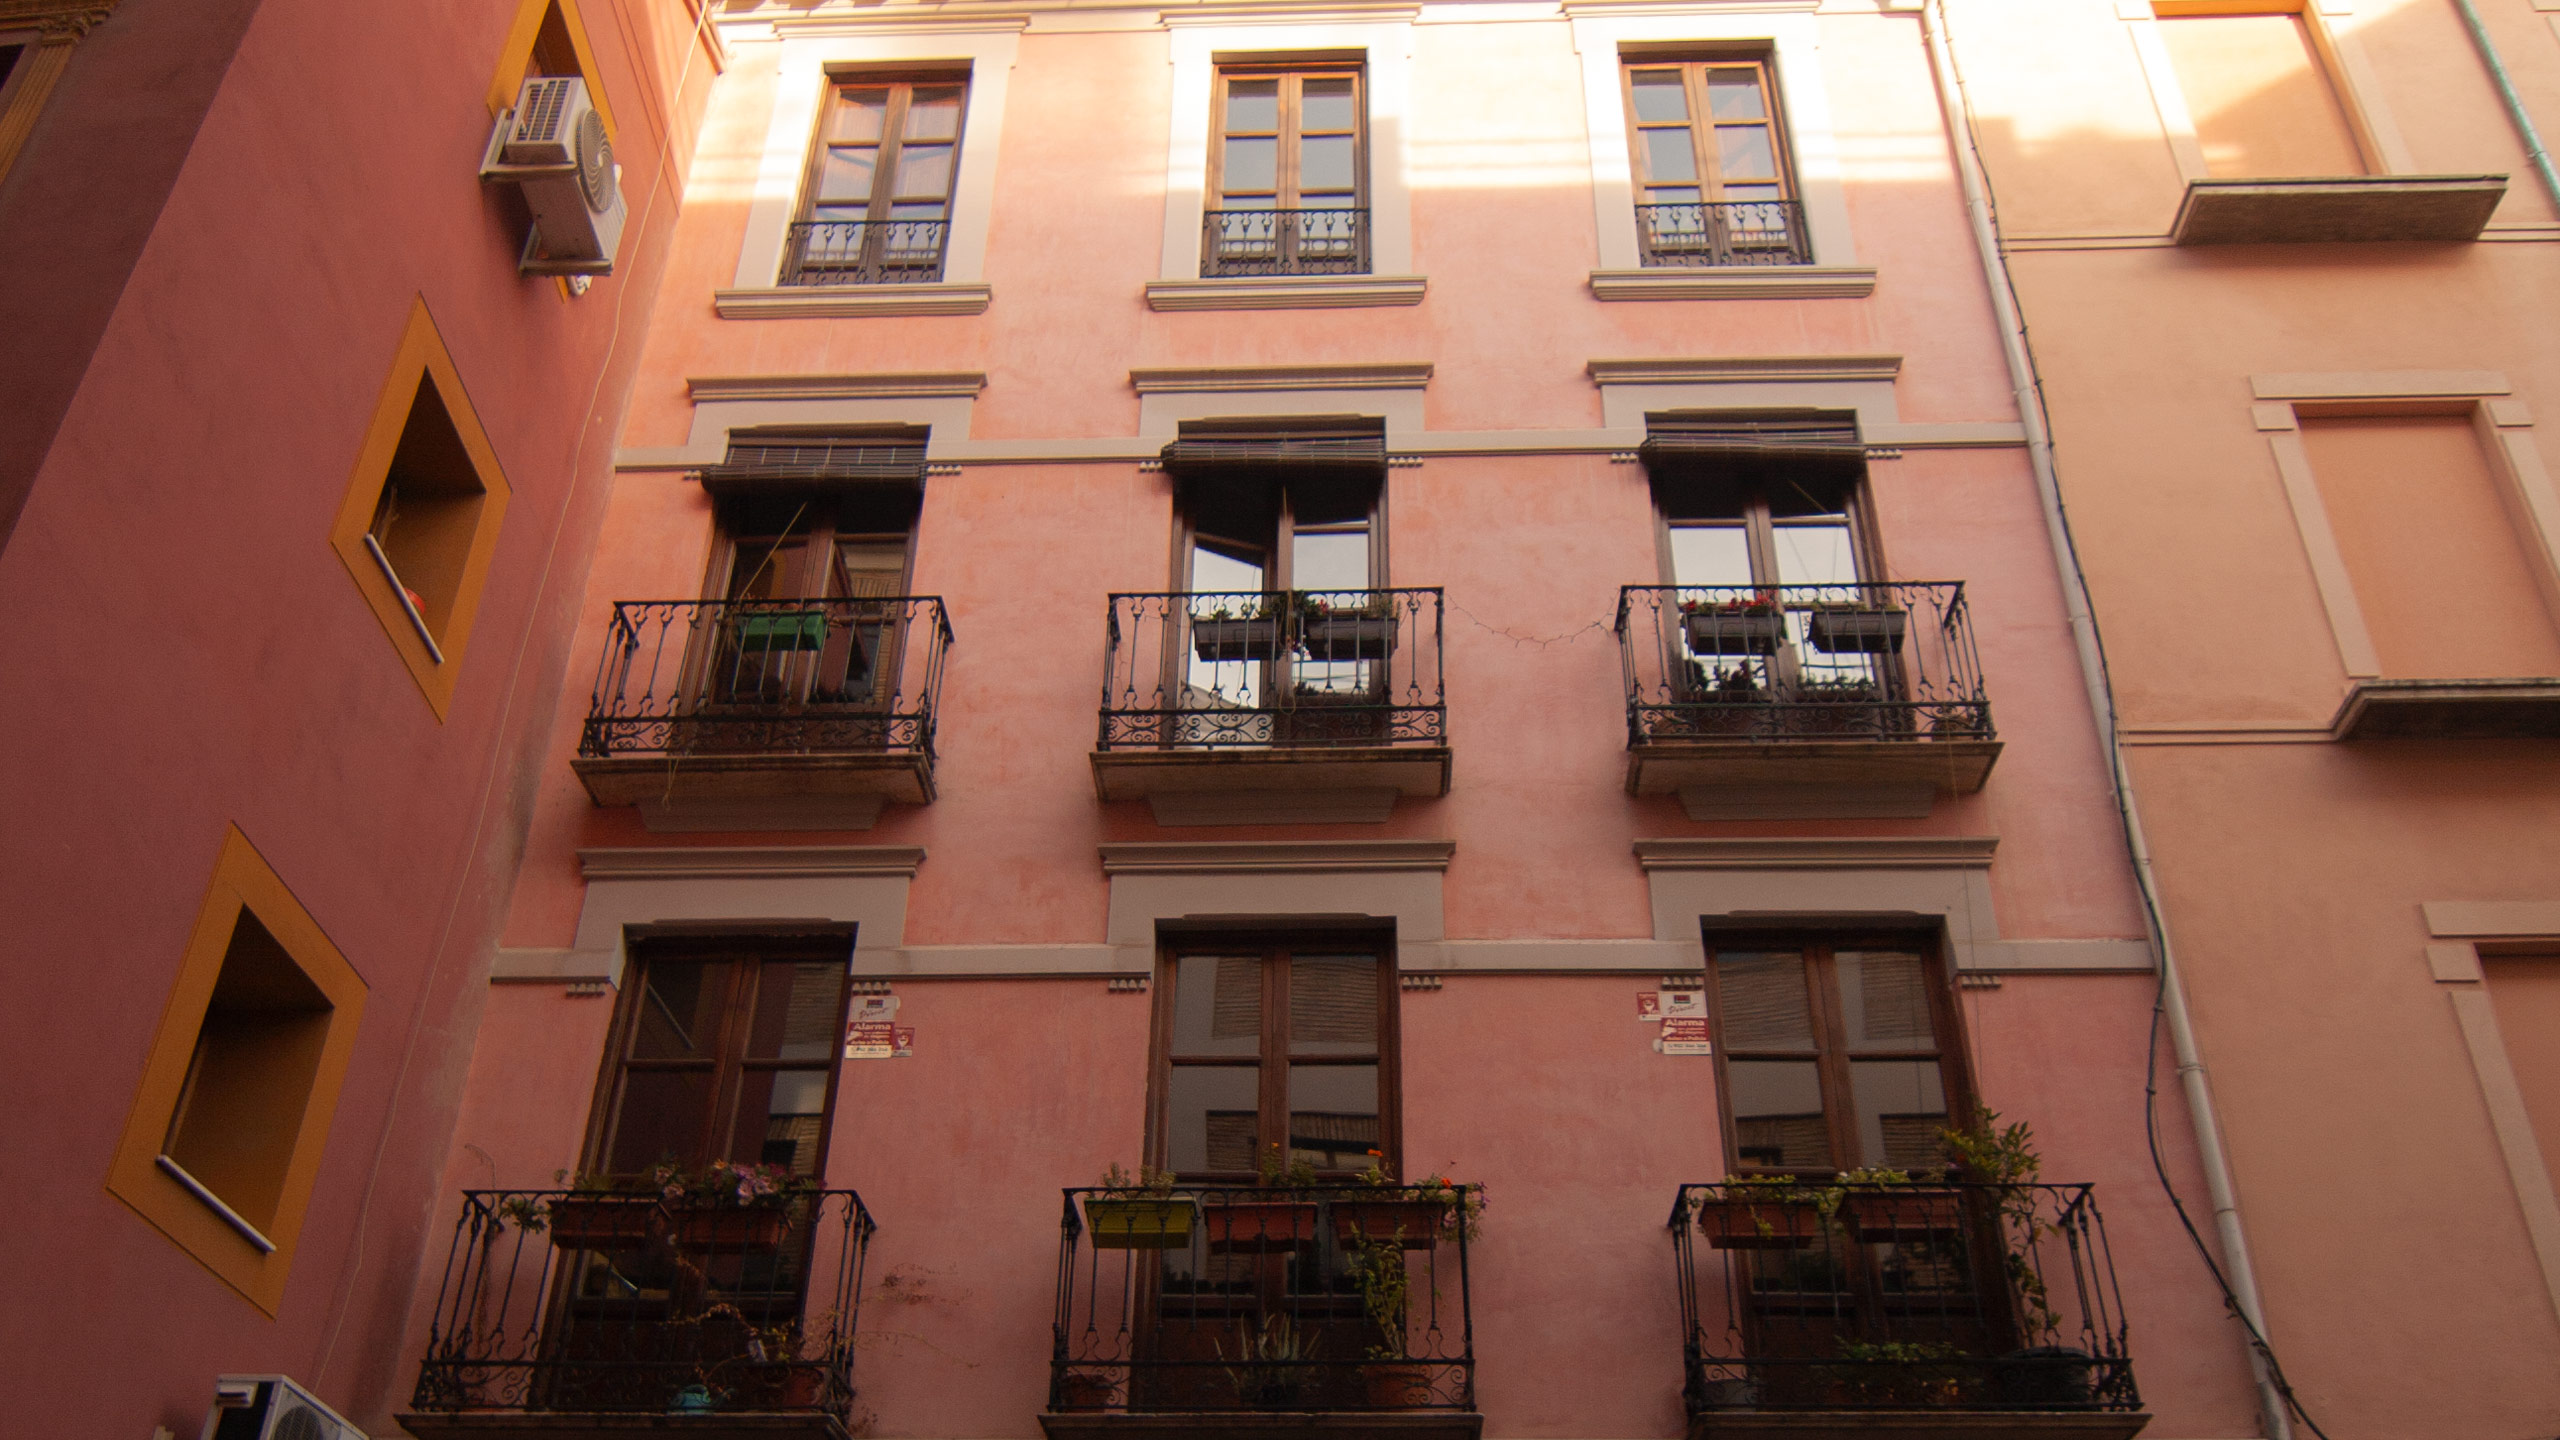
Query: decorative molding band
pixel 2377 384
pixel 1002 18
pixel 2492 919
pixel 1914 852
pixel 1285 292
pixel 1729 368
pixel 1948 435
pixel 1230 378
pixel 910 386
pixel 988 962
pixel 800 302
pixel 1284 12
pixel 549 967
pixel 1153 857
pixel 747 862
pixel 1736 282
pixel 60 22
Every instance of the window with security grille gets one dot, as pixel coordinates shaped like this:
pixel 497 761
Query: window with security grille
pixel 876 207
pixel 1287 1048
pixel 1713 182
pixel 1288 173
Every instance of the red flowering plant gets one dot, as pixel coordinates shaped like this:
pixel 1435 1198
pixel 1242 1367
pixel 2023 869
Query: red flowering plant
pixel 727 1183
pixel 1758 602
pixel 1465 1203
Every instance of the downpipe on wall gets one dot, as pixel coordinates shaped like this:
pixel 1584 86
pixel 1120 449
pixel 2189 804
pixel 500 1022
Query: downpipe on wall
pixel 2489 56
pixel 2238 1274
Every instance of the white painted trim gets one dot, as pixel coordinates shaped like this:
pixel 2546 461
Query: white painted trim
pixel 2527 1170
pixel 801 85
pixel 749 886
pixel 1386 48
pixel 1803 100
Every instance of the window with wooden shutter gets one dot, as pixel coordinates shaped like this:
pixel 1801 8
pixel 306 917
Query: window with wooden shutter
pixel 1264 1046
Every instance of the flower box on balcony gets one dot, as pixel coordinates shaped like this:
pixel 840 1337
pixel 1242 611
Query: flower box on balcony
pixel 2046 1377
pixel 1737 1223
pixel 731 1230
pixel 1346 637
pixel 603 1222
pixel 785 630
pixel 1855 629
pixel 1396 1387
pixel 1260 1225
pixel 1084 1390
pixel 1219 639
pixel 1128 1224
pixel 1900 1214
pixel 1734 632
pixel 1413 1224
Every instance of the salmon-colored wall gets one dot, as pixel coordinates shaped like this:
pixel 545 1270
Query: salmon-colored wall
pixel 1544 1087
pixel 206 661
pixel 2525 989
pixel 2402 1294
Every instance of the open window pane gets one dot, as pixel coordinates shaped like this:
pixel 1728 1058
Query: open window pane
pixel 1816 555
pixel 777 1119
pixel 663 1117
pixel 680 1012
pixel 795 1014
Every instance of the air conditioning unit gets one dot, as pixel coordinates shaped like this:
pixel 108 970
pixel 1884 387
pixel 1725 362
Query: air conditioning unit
pixel 271 1407
pixel 552 147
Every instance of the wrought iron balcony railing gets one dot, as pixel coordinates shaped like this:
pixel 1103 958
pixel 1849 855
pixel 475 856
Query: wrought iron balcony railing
pixel 744 677
pixel 586 1303
pixel 1960 1296
pixel 1284 242
pixel 1226 1297
pixel 1744 232
pixel 1304 668
pixel 865 252
pixel 1800 663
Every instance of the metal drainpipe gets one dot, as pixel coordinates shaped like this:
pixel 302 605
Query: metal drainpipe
pixel 2191 1073
pixel 2515 103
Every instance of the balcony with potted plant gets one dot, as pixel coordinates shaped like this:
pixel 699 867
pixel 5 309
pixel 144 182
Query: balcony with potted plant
pixel 1869 688
pixel 1311 693
pixel 1289 1307
pixel 730 713
pixel 1975 1301
pixel 717 1302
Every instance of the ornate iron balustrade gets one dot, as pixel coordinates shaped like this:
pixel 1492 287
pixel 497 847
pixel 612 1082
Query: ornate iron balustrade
pixel 1302 668
pixel 1924 1296
pixel 865 252
pixel 745 677
pixel 1284 242
pixel 590 1303
pixel 1743 232
pixel 1230 1297
pixel 1800 662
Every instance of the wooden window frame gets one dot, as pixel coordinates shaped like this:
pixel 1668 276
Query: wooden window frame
pixel 1276 576
pixel 242 884
pixel 1831 1050
pixel 901 83
pixel 1693 68
pixel 729 1062
pixel 1762 529
pixel 1292 76
pixel 1272 1055
pixel 422 360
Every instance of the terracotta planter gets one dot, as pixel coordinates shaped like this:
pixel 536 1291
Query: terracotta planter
pixel 1135 1224
pixel 1896 1214
pixel 1734 632
pixel 1396 1387
pixel 731 1231
pixel 1759 1224
pixel 602 1222
pixel 1257 1226
pixel 1084 1390
pixel 1412 1224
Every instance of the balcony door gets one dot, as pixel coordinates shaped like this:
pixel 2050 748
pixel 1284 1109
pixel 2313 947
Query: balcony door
pixel 1266 1055
pixel 877 207
pixel 1770 537
pixel 810 583
pixel 722 1049
pixel 1836 1054
pixel 1303 557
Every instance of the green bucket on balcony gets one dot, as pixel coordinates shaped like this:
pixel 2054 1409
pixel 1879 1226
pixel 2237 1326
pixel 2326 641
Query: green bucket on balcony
pixel 791 630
